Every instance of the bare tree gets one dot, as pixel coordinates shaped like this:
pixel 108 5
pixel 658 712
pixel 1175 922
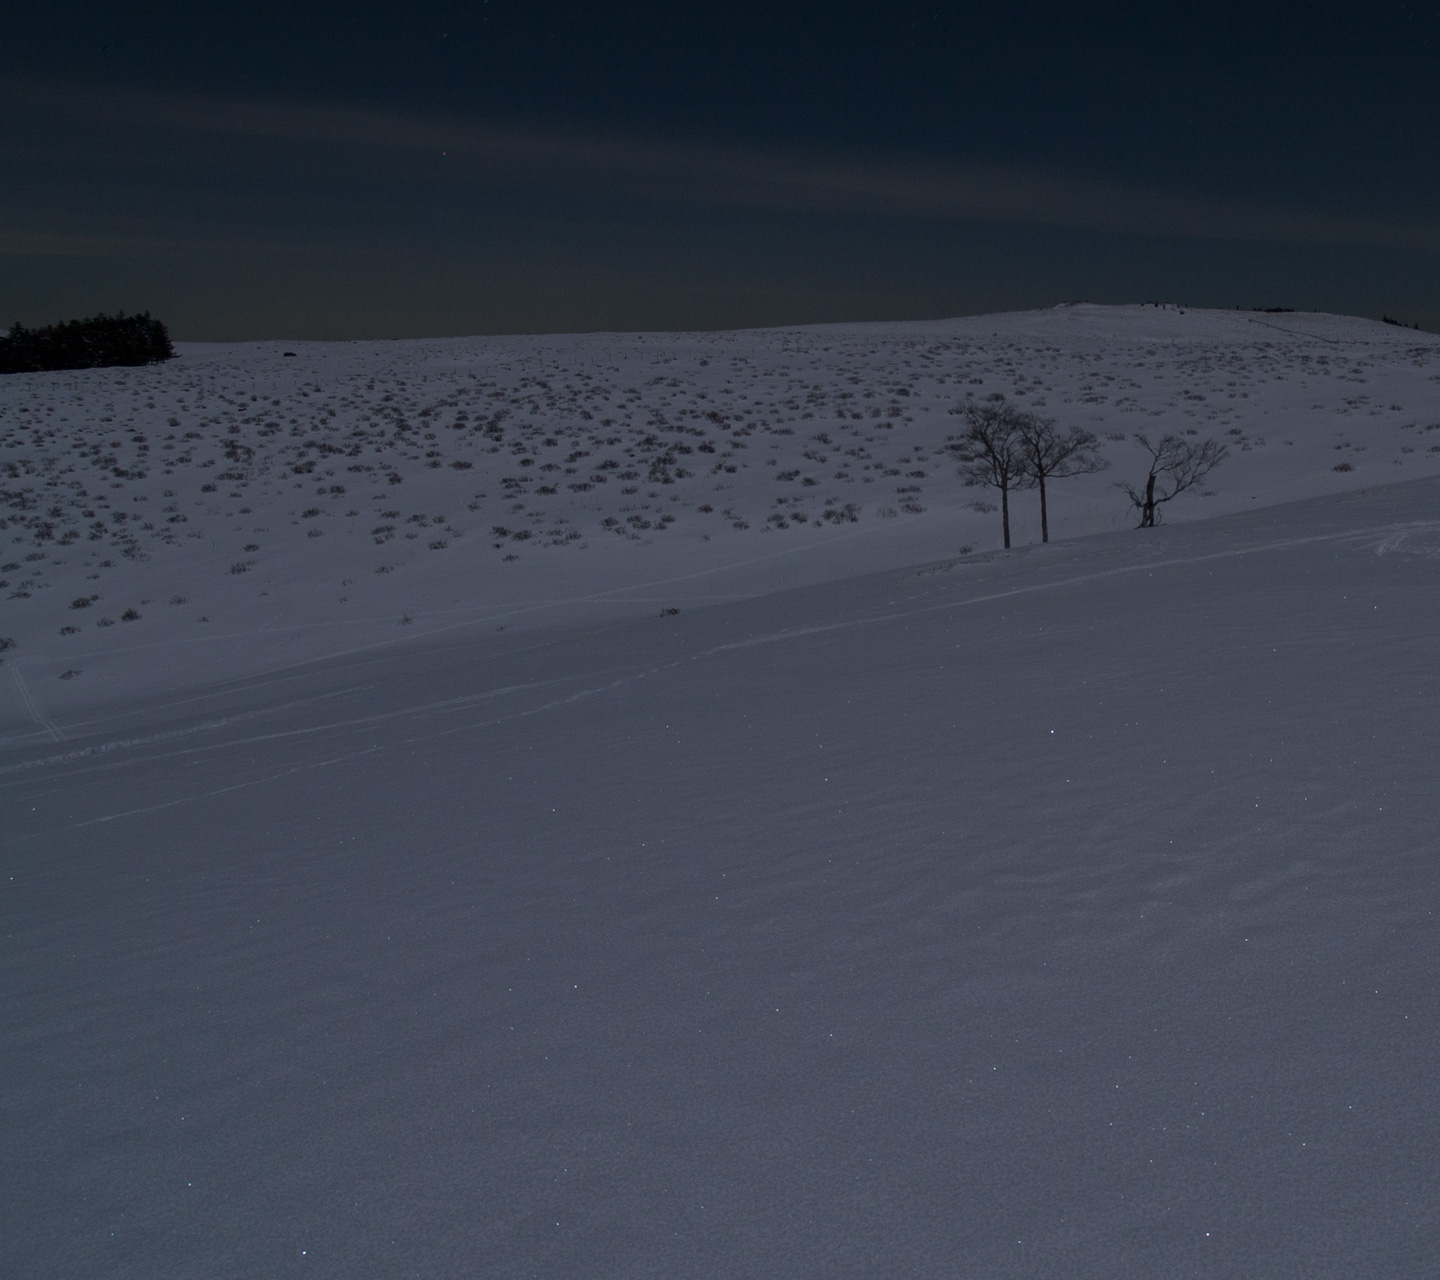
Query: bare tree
pixel 989 450
pixel 1175 465
pixel 1045 454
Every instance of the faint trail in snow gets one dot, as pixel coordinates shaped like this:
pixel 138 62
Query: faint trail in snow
pixel 105 748
pixel 218 791
pixel 33 707
pixel 488 614
pixel 1295 333
pixel 79 728
pixel 451 705
pixel 1409 540
pixel 1143 567
pixel 167 735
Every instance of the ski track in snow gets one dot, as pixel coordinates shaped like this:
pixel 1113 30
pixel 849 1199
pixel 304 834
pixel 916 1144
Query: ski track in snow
pixel 34 711
pixel 1385 540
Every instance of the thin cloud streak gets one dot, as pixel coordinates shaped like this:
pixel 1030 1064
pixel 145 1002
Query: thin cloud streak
pixel 49 244
pixel 82 122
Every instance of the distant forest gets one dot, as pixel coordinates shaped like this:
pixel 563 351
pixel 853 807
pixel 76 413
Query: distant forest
pixel 85 344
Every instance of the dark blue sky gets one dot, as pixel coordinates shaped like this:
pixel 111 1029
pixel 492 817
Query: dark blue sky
pixel 300 169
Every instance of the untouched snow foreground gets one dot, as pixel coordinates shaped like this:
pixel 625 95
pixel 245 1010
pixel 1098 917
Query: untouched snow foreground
pixel 1065 912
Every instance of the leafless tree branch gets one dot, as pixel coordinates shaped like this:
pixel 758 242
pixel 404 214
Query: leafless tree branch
pixel 1175 465
pixel 988 451
pixel 1046 454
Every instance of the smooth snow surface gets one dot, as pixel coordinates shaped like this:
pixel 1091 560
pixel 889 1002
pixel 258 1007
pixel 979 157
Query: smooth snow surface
pixel 1064 912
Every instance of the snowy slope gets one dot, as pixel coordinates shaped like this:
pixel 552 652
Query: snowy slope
pixel 237 510
pixel 1065 912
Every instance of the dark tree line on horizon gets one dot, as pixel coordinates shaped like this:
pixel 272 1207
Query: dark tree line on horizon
pixel 98 342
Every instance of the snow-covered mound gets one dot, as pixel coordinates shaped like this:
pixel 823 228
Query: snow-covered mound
pixel 1054 914
pixel 241 509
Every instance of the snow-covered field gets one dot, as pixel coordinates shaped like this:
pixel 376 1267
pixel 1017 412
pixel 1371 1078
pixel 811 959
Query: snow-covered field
pixel 238 509
pixel 398 896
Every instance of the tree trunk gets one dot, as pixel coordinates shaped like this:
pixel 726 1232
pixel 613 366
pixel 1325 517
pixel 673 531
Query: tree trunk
pixel 1005 513
pixel 1044 518
pixel 1147 518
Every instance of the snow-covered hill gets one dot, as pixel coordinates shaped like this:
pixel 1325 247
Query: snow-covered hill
pixel 240 509
pixel 1065 912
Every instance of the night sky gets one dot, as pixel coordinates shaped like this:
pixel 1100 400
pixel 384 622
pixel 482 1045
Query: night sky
pixel 302 170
